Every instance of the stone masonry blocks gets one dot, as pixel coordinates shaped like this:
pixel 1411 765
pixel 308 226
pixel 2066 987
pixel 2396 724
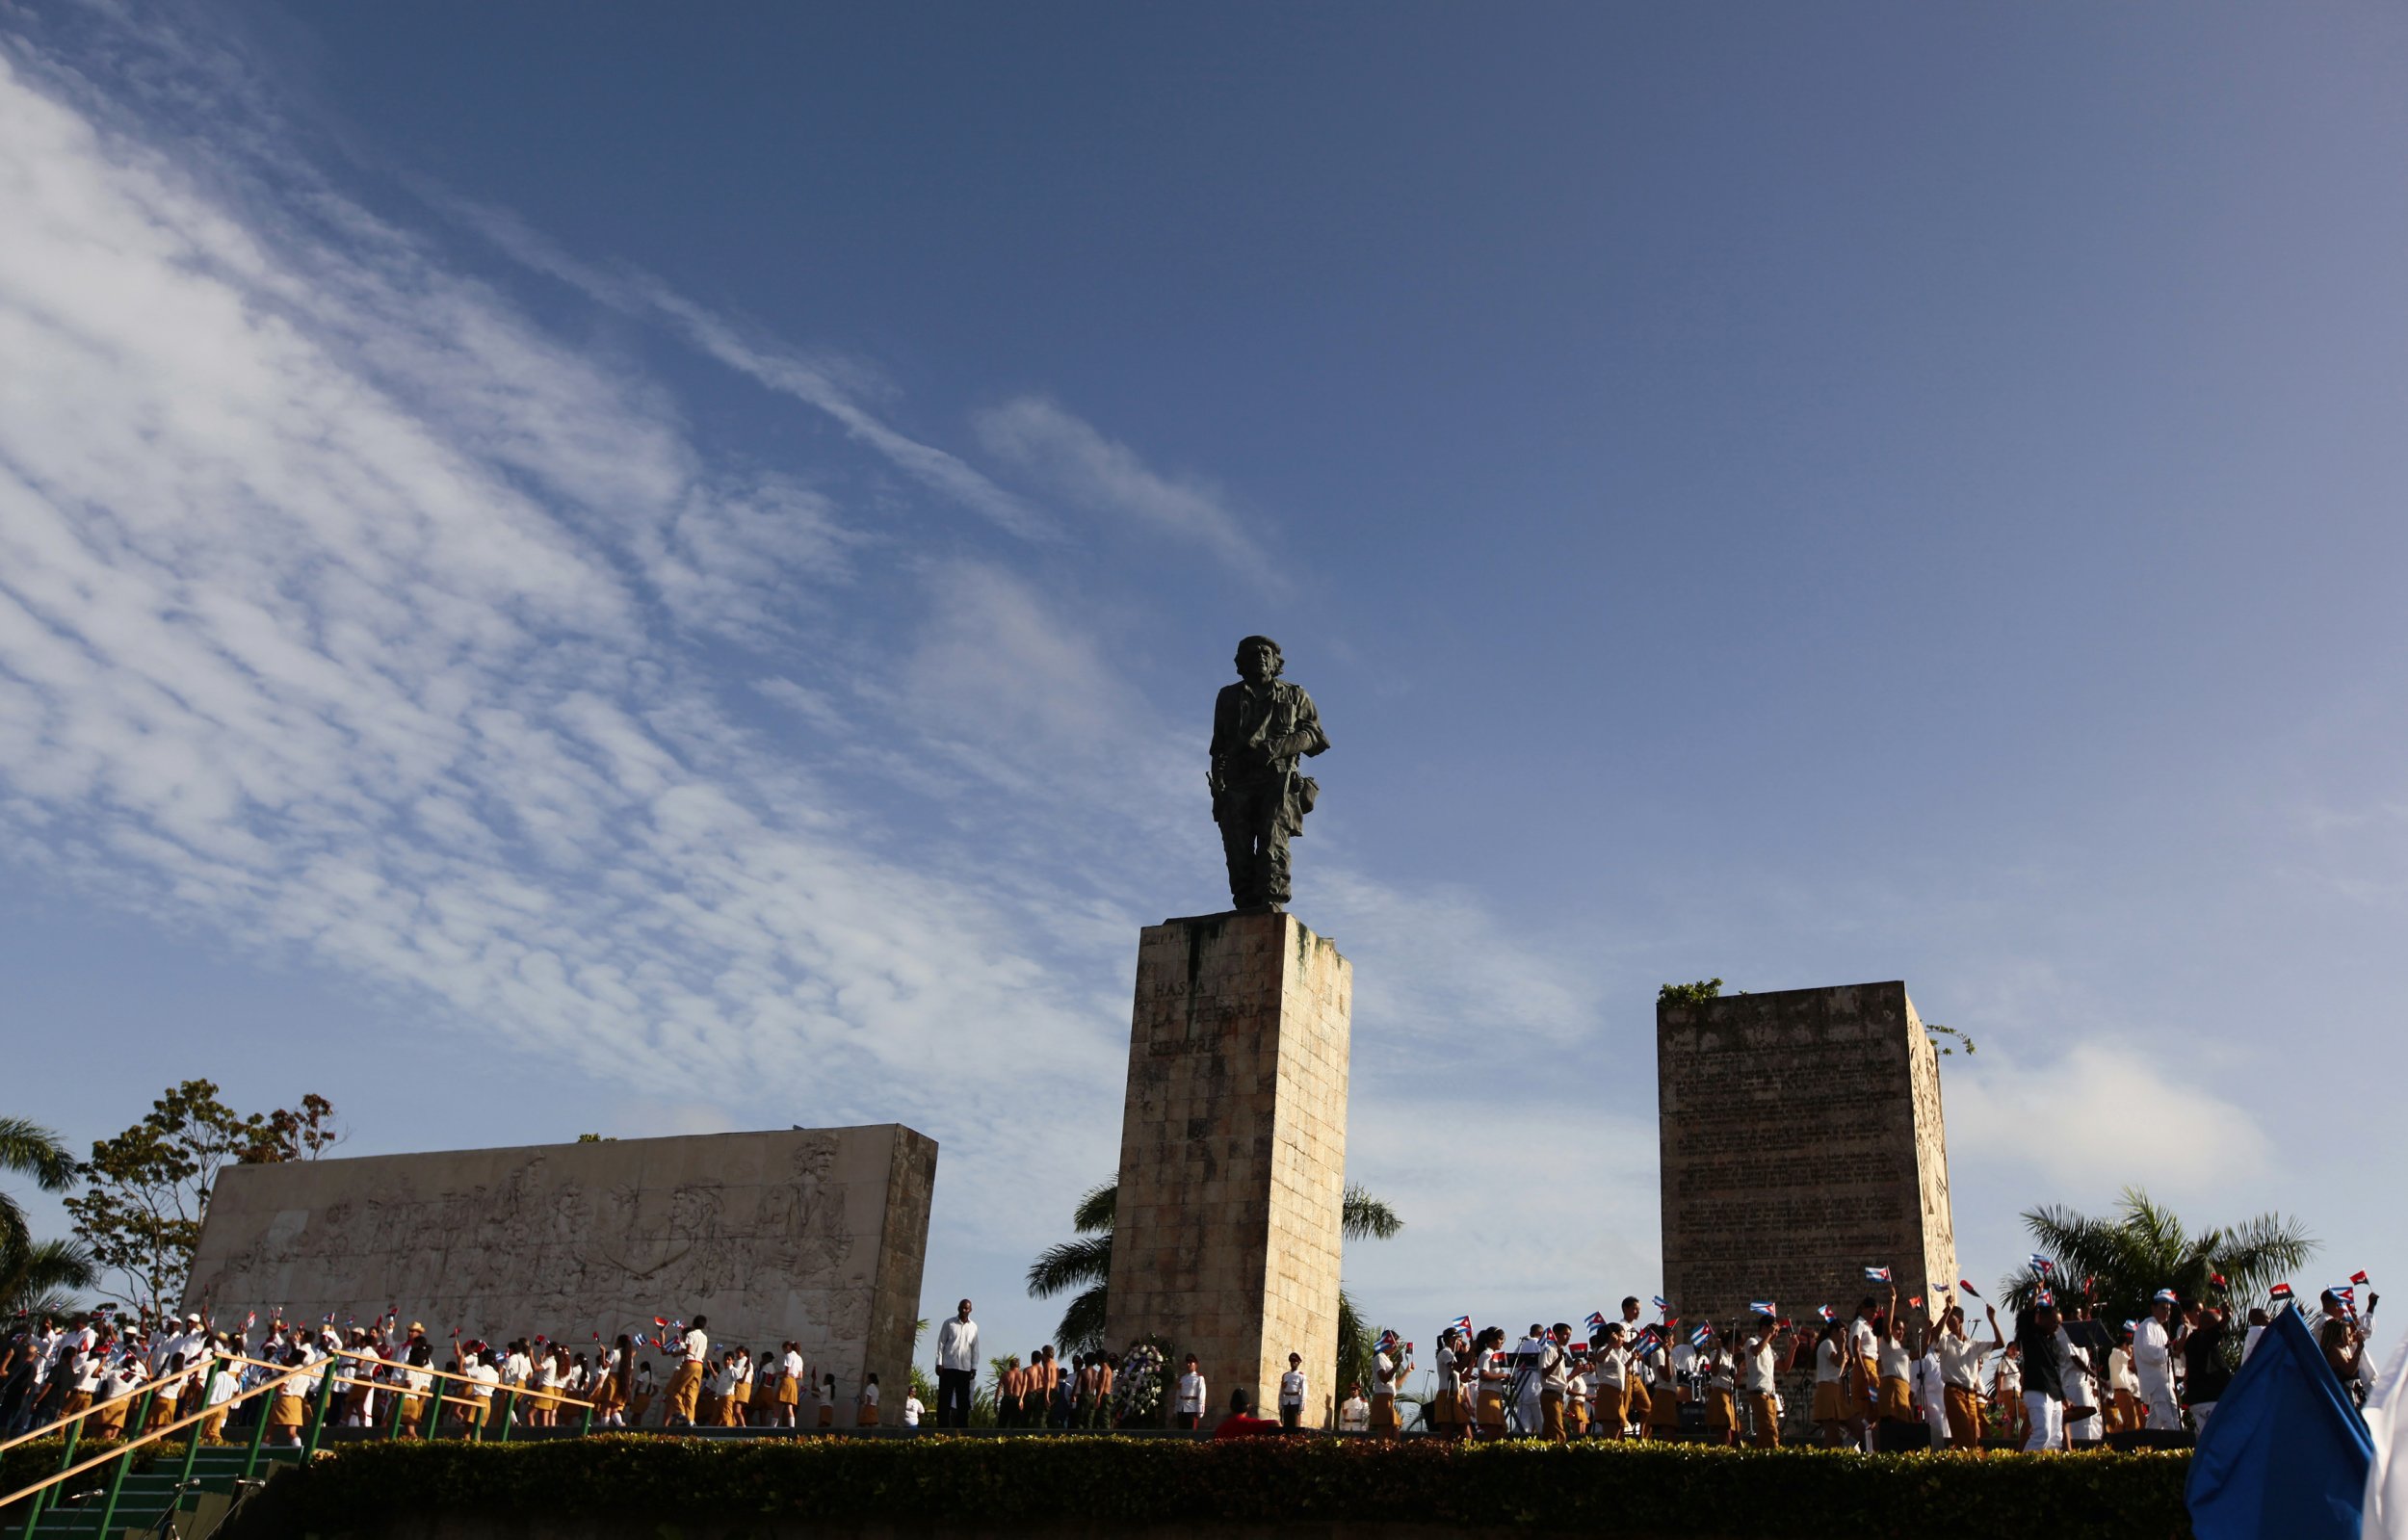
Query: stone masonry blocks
pixel 1801 1143
pixel 1233 1141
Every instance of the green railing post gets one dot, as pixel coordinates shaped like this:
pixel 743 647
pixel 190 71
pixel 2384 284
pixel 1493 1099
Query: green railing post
pixel 401 1399
pixel 139 1417
pixel 263 1407
pixel 326 1394
pixel 41 1499
pixel 192 1448
pixel 585 1428
pixel 510 1407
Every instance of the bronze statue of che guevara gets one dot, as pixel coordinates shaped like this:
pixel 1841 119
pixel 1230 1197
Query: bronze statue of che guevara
pixel 1261 726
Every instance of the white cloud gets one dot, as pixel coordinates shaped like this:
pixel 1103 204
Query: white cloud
pixel 1108 478
pixel 789 370
pixel 2096 1117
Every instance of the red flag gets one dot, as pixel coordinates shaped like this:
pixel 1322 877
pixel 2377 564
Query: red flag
pixel 1970 1291
pixel 1915 1300
pixel 2358 1278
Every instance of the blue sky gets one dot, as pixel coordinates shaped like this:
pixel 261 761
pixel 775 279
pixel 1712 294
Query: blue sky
pixel 567 567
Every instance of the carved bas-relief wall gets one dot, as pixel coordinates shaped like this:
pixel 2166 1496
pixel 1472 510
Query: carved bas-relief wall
pixel 815 1235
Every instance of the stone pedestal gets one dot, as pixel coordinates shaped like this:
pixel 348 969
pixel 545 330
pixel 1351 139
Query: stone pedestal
pixel 1233 1145
pixel 1802 1143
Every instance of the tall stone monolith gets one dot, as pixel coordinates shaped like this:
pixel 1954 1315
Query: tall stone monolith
pixel 1233 1144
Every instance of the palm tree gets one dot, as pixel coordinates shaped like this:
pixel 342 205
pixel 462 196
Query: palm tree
pixel 36 1276
pixel 2126 1259
pixel 29 1149
pixel 1085 1265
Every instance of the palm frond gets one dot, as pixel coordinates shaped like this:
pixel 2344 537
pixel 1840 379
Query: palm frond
pixel 1364 1217
pixel 32 1271
pixel 1071 1265
pixel 1094 1213
pixel 29 1149
pixel 1080 1329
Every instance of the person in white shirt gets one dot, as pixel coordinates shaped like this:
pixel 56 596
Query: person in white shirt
pixel 1930 1390
pixel 956 1367
pixel 2123 1386
pixel 1960 1359
pixel 2083 1424
pixel 1448 1416
pixel 792 1372
pixel 1609 1385
pixel 912 1410
pixel 1392 1365
pixel 1354 1414
pixel 869 1402
pixel 2154 1341
pixel 1577 1367
pixel 1830 1408
pixel 1292 1394
pixel 1188 1411
pixel 1761 1360
pixel 684 1386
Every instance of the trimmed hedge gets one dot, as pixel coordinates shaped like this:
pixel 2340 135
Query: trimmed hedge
pixel 1634 1488
pixel 29 1462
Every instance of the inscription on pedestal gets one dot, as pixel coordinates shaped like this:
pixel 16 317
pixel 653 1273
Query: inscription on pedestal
pixel 1801 1143
pixel 1233 1151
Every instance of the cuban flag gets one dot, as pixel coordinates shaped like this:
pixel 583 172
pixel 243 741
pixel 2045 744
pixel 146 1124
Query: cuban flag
pixel 1876 1275
pixel 2041 1263
pixel 1699 1338
pixel 2044 1299
pixel 1596 1321
pixel 1965 1287
pixel 2281 1291
pixel 1823 1311
pixel 250 1320
pixel 2359 1278
pixel 1461 1323
pixel 2348 1297
pixel 1662 1303
pixel 1762 1307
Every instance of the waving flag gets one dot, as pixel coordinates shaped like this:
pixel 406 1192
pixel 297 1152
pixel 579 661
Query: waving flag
pixel 1824 1311
pixel 1967 1290
pixel 2359 1278
pixel 2041 1263
pixel 2044 1299
pixel 1596 1321
pixel 1662 1303
pixel 1876 1275
pixel 2348 1297
pixel 1699 1338
pixel 1762 1307
pixel 660 1321
pixel 1461 1323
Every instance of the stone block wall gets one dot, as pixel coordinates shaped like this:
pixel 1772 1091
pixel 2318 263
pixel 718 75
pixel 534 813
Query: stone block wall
pixel 1233 1151
pixel 1802 1141
pixel 811 1234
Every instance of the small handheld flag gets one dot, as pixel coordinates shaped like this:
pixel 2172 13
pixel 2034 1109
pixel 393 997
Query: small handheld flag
pixel 1462 1323
pixel 2359 1278
pixel 2041 1263
pixel 1824 1311
pixel 1915 1300
pixel 660 1322
pixel 1876 1275
pixel 1662 1303
pixel 1596 1321
pixel 2044 1299
pixel 1699 1338
pixel 2217 1280
pixel 1965 1288
pixel 1762 1307
pixel 2281 1291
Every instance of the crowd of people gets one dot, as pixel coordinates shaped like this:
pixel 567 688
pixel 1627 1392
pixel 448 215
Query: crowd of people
pixel 396 1378
pixel 1889 1378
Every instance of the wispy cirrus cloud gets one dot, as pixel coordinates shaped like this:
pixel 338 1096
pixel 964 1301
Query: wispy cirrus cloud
pixel 1071 457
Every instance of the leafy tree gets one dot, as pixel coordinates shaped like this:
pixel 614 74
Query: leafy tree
pixel 2126 1259
pixel 147 1190
pixel 1696 994
pixel 1085 1264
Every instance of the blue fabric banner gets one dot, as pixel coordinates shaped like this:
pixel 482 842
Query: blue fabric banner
pixel 2285 1454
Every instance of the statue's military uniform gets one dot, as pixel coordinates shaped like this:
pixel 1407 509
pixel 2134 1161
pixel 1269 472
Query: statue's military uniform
pixel 1258 732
